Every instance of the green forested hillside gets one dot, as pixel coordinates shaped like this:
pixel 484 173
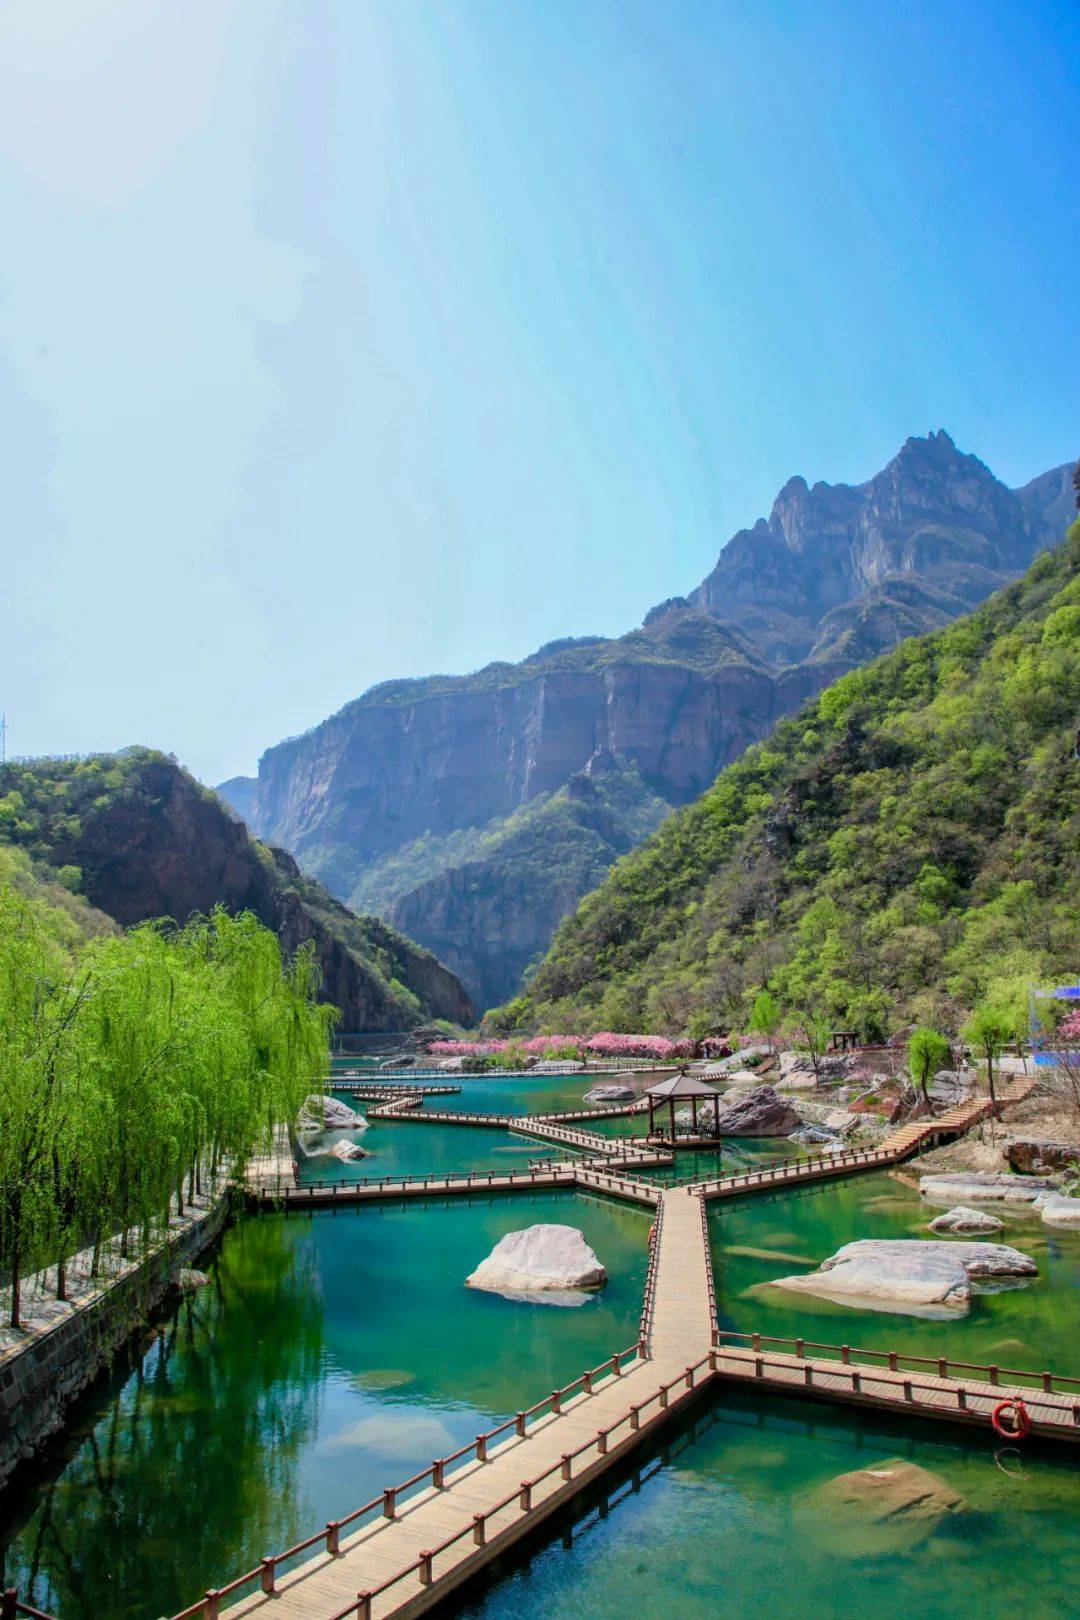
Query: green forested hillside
pixel 141 839
pixel 906 844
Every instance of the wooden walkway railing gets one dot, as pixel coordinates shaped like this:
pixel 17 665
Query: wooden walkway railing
pixel 411 1545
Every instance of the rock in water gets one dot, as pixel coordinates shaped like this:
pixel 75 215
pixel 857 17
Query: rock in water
pixel 977 1187
pixel 540 1260
pixel 908 1276
pixel 1058 1210
pixel 1030 1155
pixel 348 1151
pixel 187 1279
pixel 328 1113
pixel 609 1094
pixel 761 1112
pixel 899 1500
pixel 966 1220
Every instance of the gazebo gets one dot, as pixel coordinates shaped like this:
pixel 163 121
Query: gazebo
pixel 674 1090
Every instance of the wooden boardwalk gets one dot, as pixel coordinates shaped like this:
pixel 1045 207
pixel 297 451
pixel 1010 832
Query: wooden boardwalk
pixel 407 1549
pixel 891 1381
pixel 506 1484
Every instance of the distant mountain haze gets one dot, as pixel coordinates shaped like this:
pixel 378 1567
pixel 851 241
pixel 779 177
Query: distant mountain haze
pixel 475 810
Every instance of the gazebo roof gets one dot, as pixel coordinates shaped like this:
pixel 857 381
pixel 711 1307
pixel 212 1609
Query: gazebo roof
pixel 682 1085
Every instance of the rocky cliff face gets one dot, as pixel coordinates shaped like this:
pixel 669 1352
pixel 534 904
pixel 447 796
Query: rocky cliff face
pixel 491 916
pixel 835 575
pixel 150 842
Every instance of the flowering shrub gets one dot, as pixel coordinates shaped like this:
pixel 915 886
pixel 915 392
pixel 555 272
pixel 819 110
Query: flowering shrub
pixel 606 1044
pixel 610 1044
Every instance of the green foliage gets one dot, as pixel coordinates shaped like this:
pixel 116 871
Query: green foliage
pixel 765 1015
pixel 928 1051
pixel 905 845
pixel 133 1060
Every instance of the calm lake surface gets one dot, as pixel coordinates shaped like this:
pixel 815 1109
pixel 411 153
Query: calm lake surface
pixel 336 1353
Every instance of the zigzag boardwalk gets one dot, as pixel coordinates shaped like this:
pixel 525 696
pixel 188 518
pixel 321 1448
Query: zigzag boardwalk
pixel 403 1552
pixel 418 1549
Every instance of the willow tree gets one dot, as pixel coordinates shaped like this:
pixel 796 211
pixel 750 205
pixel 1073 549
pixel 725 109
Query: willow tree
pixel 158 1053
pixel 40 1005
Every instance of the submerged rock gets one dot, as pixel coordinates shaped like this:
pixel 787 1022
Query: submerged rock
pixel 328 1113
pixel 898 1500
pixel 910 1276
pixel 812 1135
pixel 761 1112
pixel 977 1186
pixel 1031 1154
pixel 543 1259
pixel 607 1094
pixel 187 1279
pixel 1057 1209
pixel 962 1219
pixel 348 1151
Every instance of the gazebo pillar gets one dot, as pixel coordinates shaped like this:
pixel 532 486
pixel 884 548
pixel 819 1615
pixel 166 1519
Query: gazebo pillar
pixel 693 1111
pixel 651 1125
pixel 671 1111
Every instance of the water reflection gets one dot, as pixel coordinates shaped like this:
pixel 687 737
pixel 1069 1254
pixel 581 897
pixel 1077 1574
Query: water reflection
pixel 192 1468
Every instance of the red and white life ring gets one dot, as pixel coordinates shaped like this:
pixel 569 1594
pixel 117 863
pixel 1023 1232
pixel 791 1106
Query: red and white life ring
pixel 1018 1413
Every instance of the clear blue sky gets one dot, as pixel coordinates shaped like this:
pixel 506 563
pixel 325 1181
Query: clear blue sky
pixel 368 338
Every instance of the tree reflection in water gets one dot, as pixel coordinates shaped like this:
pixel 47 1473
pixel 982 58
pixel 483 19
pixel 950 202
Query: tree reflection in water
pixel 183 1470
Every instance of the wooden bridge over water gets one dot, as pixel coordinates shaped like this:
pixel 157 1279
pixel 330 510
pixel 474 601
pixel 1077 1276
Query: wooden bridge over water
pixel 408 1548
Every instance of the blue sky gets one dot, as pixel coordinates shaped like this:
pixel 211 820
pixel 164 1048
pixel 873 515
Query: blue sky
pixel 371 338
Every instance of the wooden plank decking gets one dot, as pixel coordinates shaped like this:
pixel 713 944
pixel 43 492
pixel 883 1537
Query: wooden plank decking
pixel 404 1552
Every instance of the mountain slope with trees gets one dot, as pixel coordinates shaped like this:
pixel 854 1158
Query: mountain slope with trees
pixel 904 846
pixel 414 776
pixel 140 838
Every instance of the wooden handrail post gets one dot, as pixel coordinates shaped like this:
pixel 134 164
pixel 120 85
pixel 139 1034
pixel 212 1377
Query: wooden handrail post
pixel 565 1466
pixel 389 1502
pixel 212 1605
pixel 556 1401
pixel 519 1425
pixel 478 1529
pixel 7 1603
pixel 437 1473
pixel 525 1497
pixel 333 1537
pixel 481 1448
pixel 267 1575
pixel 363 1606
pixel 586 1382
pixel 425 1569
pixel 601 1442
pixel 993 1375
pixel 615 1367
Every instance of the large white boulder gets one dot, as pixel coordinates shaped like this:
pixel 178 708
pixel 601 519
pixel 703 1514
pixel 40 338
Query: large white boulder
pixel 962 1219
pixel 978 1187
pixel 1058 1210
pixel 348 1151
pixel 330 1114
pixel 540 1260
pixel 910 1277
pixel 609 1094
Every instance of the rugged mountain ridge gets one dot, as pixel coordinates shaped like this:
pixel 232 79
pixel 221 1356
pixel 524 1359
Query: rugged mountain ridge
pixel 418 774
pixel 141 838
pixel 902 847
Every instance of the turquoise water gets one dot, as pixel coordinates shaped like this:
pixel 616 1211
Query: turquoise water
pixel 400 1149
pixel 339 1352
pixel 332 1355
pixel 728 1520
pixel 522 1094
pixel 756 1239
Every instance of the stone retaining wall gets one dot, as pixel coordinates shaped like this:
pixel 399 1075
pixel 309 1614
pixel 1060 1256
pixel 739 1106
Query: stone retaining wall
pixel 41 1375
